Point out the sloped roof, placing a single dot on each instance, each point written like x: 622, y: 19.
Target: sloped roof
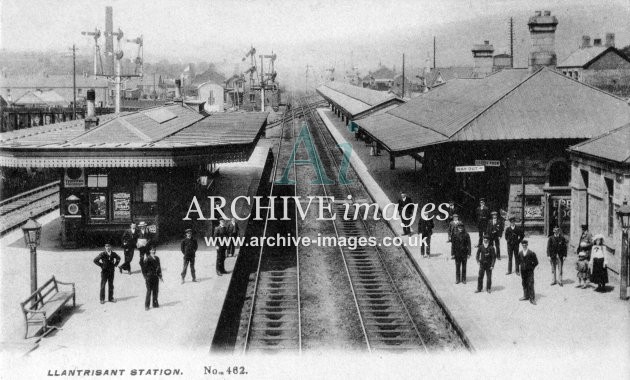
x: 582, y: 56
x: 162, y: 136
x: 507, y: 105
x: 612, y: 146
x: 354, y: 99
x: 48, y: 98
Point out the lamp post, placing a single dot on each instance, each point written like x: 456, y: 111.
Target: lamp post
x: 32, y: 233
x: 624, y: 217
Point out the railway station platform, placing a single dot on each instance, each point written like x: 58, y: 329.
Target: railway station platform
x: 566, y: 320
x: 183, y: 324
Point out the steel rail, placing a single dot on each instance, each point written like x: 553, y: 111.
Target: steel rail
x: 327, y: 146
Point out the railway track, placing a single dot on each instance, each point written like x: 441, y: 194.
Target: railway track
x: 385, y: 320
x: 16, y: 210
x: 274, y: 322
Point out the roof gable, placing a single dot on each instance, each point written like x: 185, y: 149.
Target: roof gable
x: 613, y: 145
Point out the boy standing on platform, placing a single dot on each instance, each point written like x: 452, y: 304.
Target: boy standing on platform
x: 152, y: 271
x: 486, y: 258
x: 108, y: 261
x: 513, y: 236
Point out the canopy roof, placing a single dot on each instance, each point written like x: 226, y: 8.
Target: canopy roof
x: 163, y: 136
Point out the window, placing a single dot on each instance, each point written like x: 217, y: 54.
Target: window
x: 584, y: 174
x: 559, y: 174
x: 611, y: 206
x: 97, y: 180
x: 146, y: 192
x: 252, y: 97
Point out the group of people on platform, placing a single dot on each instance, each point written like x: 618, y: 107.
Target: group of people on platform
x: 591, y: 264
x: 139, y: 237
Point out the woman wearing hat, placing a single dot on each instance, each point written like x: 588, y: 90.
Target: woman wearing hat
x: 598, y: 263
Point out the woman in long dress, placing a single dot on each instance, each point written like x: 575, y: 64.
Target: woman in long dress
x: 598, y: 264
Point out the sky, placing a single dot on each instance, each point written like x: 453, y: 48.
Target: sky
x: 320, y: 33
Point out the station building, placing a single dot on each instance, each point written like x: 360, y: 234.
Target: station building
x: 504, y: 136
x: 136, y: 166
x: 600, y: 184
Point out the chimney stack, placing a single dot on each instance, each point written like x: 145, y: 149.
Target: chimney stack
x: 91, y: 121
x: 542, y: 28
x: 586, y: 42
x: 178, y: 92
x: 482, y: 57
x: 610, y: 40
x: 597, y: 42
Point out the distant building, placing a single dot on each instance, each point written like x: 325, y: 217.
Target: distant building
x: 12, y: 87
x: 600, y: 184
x: 381, y: 80
x: 501, y: 61
x: 601, y: 66
x: 482, y: 58
x: 212, y: 94
x: 39, y: 98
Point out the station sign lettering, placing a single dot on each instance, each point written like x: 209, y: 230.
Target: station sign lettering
x: 470, y: 169
x: 487, y: 162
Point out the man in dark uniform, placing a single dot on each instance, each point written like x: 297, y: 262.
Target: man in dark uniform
x: 556, y: 251
x: 483, y: 214
x: 425, y: 228
x: 513, y: 236
x: 108, y: 261
x: 145, y: 240
x: 152, y: 272
x: 529, y: 262
x: 219, y: 232
x: 486, y: 259
x: 233, y: 231
x: 405, y: 213
x: 452, y: 226
x: 494, y: 230
x: 189, y: 249
x: 460, y: 251
x: 129, y: 245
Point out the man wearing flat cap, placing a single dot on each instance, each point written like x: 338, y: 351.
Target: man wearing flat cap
x: 528, y: 262
x: 189, y: 249
x: 483, y: 214
x: 486, y: 257
x: 494, y: 230
x: 108, y: 261
x: 513, y: 236
x: 556, y: 251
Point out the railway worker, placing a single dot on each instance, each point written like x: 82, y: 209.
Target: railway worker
x: 108, y: 261
x: 221, y: 231
x: 460, y: 251
x: 145, y: 239
x: 494, y: 230
x: 425, y: 229
x: 452, y: 227
x: 483, y: 214
x: 528, y: 262
x: 513, y: 236
x: 189, y: 249
x: 129, y: 239
x: 486, y: 257
x: 556, y: 251
x: 233, y: 232
x: 405, y: 213
x: 152, y: 272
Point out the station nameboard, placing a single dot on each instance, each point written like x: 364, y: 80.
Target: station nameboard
x: 488, y: 162
x: 470, y: 169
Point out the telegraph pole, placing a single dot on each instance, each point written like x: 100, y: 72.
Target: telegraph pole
x: 74, y: 82
x: 511, y: 42
x: 433, y: 52
x: 403, y: 77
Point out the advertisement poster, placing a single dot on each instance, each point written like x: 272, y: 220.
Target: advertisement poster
x: 316, y: 189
